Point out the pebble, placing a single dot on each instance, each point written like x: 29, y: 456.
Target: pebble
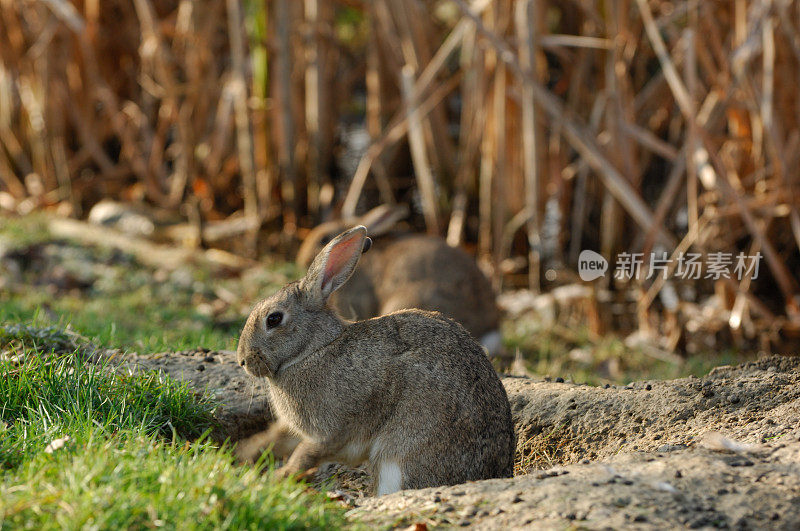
x: 472, y: 510
x: 648, y: 387
x: 201, y: 367
x: 559, y: 380
x: 670, y: 447
x: 733, y: 399
x: 209, y: 359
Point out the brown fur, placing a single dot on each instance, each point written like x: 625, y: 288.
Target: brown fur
x: 409, y: 271
x: 411, y: 388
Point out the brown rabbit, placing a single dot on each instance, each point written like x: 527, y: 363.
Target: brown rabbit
x: 411, y: 393
x: 411, y: 271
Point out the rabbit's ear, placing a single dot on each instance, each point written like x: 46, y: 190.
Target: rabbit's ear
x: 383, y: 218
x: 334, y: 264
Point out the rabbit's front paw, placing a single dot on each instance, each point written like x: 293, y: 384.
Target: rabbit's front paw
x: 287, y: 470
x: 283, y: 472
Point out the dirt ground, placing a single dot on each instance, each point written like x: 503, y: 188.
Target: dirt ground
x: 719, y: 451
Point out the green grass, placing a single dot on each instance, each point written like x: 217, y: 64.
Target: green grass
x: 133, y: 455
x: 134, y: 482
x: 140, y: 320
x: 573, y: 354
x: 127, y: 305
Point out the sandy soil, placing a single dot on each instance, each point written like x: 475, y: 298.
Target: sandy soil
x: 719, y: 451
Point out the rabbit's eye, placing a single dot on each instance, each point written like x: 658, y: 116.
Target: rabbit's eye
x: 274, y: 319
x: 325, y: 240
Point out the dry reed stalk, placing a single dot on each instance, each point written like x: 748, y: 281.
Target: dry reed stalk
x: 577, y: 135
x: 242, y: 116
x: 160, y: 113
x: 289, y: 178
x: 427, y: 183
x: 525, y: 27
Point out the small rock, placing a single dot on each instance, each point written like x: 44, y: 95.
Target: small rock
x: 559, y: 380
x: 516, y: 499
x: 733, y: 399
x: 472, y: 510
x: 208, y: 359
x: 670, y: 447
x: 622, y: 502
x: 678, y: 474
x: 648, y: 387
x: 606, y: 386
x: 496, y: 511
x: 201, y: 367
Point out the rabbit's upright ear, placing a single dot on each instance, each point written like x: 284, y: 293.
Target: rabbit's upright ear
x: 334, y: 264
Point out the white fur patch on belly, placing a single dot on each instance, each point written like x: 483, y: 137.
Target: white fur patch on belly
x: 390, y: 478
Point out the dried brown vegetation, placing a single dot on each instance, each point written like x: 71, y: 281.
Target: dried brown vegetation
x: 532, y: 129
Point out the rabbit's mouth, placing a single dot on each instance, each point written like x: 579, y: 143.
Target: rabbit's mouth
x: 256, y: 365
